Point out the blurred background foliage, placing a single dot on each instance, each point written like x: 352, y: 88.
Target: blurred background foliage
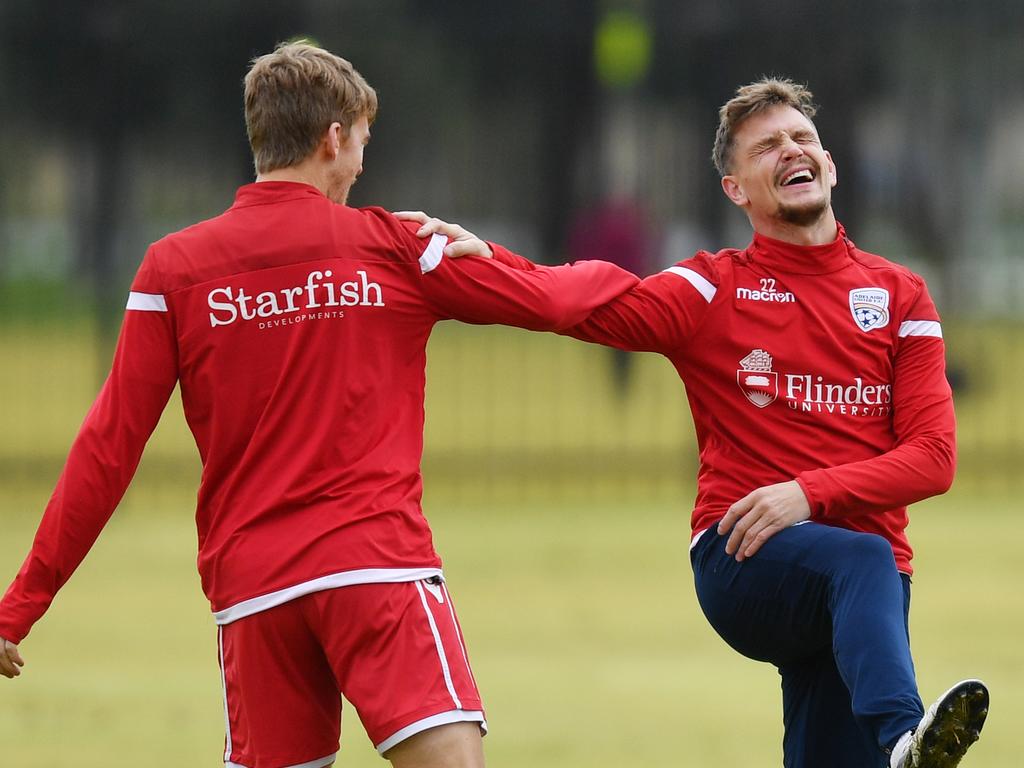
x: 565, y: 129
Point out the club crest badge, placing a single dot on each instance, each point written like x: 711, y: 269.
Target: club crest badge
x: 756, y: 379
x: 870, y: 308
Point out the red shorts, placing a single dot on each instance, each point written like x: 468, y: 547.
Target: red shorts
x: 394, y: 650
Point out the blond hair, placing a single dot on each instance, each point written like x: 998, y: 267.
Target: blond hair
x: 750, y: 100
x: 293, y: 95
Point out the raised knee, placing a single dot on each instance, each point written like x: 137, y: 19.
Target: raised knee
x: 866, y: 550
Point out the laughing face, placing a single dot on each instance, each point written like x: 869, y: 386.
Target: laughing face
x: 779, y: 173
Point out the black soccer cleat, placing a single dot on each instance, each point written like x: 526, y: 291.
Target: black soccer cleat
x: 947, y: 730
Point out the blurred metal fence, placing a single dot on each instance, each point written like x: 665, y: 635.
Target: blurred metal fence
x: 511, y: 415
x: 543, y: 112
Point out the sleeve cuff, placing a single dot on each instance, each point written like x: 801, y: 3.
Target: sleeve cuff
x: 807, y: 486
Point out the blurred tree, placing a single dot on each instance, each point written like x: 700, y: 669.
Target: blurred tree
x: 107, y: 73
x: 546, y: 48
x: 710, y: 49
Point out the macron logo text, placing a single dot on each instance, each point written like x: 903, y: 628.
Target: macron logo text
x: 228, y: 304
x: 751, y: 294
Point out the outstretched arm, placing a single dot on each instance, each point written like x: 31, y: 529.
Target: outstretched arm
x: 99, y: 468
x: 659, y: 314
x: 492, y: 290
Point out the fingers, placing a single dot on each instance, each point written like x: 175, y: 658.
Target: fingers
x: 10, y: 660
x: 463, y: 242
x: 738, y: 537
x: 431, y: 225
x: 451, y: 231
x: 418, y: 216
x: 471, y: 247
x: 734, y: 521
x: 756, y: 536
x: 760, y: 515
x: 751, y: 524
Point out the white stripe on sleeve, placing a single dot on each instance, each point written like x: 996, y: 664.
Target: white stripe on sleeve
x: 697, y: 280
x: 433, y: 254
x: 146, y: 302
x: 920, y: 328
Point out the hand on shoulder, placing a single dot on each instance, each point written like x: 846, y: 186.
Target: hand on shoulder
x: 461, y: 242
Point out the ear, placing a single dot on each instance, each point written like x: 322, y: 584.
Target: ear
x: 332, y: 140
x: 734, y: 191
x: 832, y: 178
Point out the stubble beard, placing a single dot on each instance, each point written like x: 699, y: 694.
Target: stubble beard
x: 339, y: 193
x: 340, y: 186
x: 803, y: 215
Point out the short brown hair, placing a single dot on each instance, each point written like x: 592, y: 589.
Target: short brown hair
x: 291, y: 97
x: 751, y: 99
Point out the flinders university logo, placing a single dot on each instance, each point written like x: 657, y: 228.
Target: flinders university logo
x: 758, y: 382
x: 870, y: 308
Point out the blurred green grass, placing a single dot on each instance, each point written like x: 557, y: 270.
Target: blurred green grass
x: 561, y: 511
x: 581, y: 623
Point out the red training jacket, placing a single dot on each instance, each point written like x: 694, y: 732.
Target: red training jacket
x: 823, y: 363
x: 297, y: 329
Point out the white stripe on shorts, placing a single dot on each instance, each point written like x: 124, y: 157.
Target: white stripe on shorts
x: 440, y: 647
x: 455, y: 716
x: 224, y: 689
x: 458, y: 634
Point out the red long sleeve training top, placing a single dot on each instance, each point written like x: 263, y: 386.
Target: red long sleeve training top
x: 823, y: 364
x: 297, y: 329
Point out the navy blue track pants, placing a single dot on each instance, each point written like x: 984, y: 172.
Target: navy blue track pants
x: 828, y: 608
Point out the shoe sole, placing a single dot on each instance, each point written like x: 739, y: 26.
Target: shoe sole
x: 959, y: 717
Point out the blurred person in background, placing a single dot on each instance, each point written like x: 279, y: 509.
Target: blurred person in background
x: 815, y: 376
x: 616, y: 230
x: 296, y: 327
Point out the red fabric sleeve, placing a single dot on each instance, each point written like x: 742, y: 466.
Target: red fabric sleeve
x: 478, y: 290
x: 507, y: 289
x: 923, y: 460
x: 660, y: 314
x: 509, y: 259
x: 100, y: 465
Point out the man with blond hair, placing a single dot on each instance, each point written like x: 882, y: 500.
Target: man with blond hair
x: 296, y: 327
x: 815, y: 373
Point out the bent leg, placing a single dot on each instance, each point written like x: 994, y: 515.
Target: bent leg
x: 869, y: 603
x: 456, y: 745
x: 820, y: 727
x: 815, y: 589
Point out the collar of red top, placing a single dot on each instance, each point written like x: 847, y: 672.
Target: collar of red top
x: 801, y: 259
x: 263, y: 192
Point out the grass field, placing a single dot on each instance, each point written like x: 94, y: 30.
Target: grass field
x: 582, y: 627
x: 576, y: 596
